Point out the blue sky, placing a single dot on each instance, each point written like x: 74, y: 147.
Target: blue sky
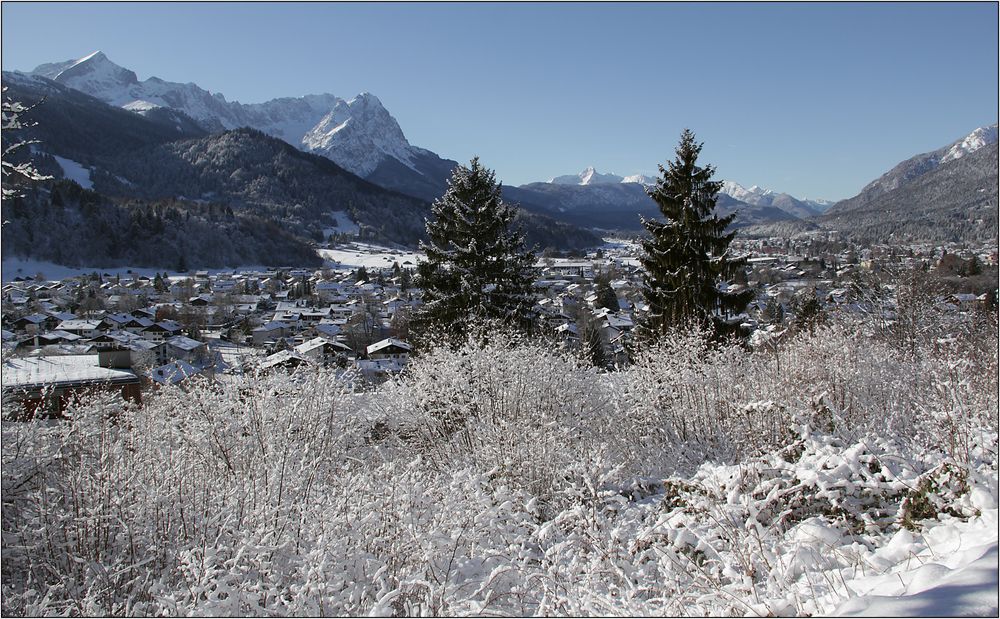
x: 812, y: 99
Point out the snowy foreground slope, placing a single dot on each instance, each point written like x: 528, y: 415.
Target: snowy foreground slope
x: 851, y: 470
x: 944, y: 584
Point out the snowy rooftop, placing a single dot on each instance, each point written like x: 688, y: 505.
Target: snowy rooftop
x: 386, y: 343
x: 60, y: 370
x: 173, y: 373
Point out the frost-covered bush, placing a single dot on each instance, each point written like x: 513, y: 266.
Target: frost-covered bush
x: 523, y: 412
x: 724, y: 404
x: 784, y: 534
x: 126, y: 504
x: 507, y: 477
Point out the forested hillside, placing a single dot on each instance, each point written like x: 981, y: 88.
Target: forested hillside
x: 67, y: 225
x: 161, y: 157
x: 254, y: 173
x: 953, y: 201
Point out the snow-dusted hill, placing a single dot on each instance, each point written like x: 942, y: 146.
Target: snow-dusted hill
x: 908, y: 171
x: 358, y: 134
x: 983, y: 136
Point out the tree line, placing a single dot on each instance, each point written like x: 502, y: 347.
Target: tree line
x: 477, y: 268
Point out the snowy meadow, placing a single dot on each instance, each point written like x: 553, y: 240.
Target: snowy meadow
x: 821, y: 472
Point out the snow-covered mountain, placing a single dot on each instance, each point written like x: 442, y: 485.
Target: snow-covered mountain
x: 641, y: 179
x: 360, y: 131
x: 750, y: 196
x: 760, y: 196
x: 983, y: 136
x: 358, y: 134
x: 946, y: 194
x: 591, y: 176
x: 755, y: 196
x: 914, y: 167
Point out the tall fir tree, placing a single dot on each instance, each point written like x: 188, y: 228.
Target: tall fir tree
x: 476, y: 267
x: 593, y: 343
x: 687, y: 256
x: 606, y: 296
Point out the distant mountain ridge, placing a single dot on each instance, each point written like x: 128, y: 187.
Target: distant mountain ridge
x: 619, y: 206
x: 949, y: 194
x: 361, y: 137
x: 756, y: 196
x: 772, y: 205
x: 358, y: 134
x: 590, y: 176
x: 909, y: 170
x: 163, y: 155
x: 946, y: 195
x: 759, y: 196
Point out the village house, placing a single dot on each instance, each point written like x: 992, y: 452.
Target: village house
x: 185, y: 348
x: 84, y: 328
x: 162, y: 330
x: 390, y: 349
x: 323, y: 351
x: 287, y: 360
x: 270, y: 332
x: 45, y: 385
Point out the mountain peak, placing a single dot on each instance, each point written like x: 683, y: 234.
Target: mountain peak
x: 92, y: 72
x: 918, y: 165
x: 590, y: 176
x: 642, y: 179
x: 735, y: 190
x: 366, y: 98
x: 97, y: 56
x: 358, y: 134
x: 983, y: 136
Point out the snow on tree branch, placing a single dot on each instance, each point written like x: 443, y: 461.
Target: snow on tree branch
x: 11, y: 119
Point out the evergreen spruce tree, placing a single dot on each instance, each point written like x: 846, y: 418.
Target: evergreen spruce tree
x: 687, y: 256
x: 606, y: 296
x: 476, y: 267
x: 807, y: 309
x: 590, y: 335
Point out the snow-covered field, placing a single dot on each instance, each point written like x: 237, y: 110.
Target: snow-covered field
x: 27, y: 268
x: 75, y: 172
x: 344, y: 224
x: 855, y: 474
x: 350, y: 256
x: 343, y: 257
x: 354, y: 255
x: 953, y: 576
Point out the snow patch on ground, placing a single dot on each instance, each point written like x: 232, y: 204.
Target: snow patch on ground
x: 75, y: 172
x: 934, y: 590
x: 345, y: 225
